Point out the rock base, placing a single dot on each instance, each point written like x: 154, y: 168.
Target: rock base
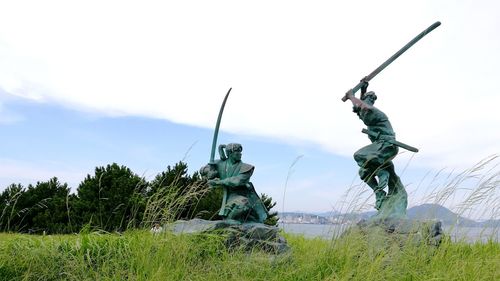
x: 237, y: 235
x: 401, y: 230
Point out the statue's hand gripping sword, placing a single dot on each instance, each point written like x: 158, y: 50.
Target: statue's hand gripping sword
x: 390, y: 60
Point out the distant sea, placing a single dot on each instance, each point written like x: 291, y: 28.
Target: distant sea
x: 329, y: 231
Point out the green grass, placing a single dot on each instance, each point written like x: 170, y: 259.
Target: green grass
x: 139, y: 255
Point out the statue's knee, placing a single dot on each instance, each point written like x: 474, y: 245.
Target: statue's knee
x: 355, y: 156
x: 359, y: 158
x: 383, y: 176
x: 364, y: 174
x: 238, y: 211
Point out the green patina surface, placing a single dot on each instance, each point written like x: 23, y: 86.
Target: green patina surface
x: 240, y: 202
x: 375, y: 160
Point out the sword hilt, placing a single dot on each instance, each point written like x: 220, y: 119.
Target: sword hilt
x: 346, y: 96
x: 355, y: 89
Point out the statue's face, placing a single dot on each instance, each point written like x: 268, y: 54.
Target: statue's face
x: 235, y: 154
x: 369, y: 100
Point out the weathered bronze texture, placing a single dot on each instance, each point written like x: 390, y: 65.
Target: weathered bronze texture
x: 240, y: 202
x: 375, y: 160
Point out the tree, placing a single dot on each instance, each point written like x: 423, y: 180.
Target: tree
x: 47, y: 206
x: 9, y: 207
x: 272, y: 218
x: 43, y: 207
x: 174, y: 194
x: 175, y: 176
x: 112, y: 199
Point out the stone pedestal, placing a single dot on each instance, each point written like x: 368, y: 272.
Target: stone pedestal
x: 401, y: 230
x: 237, y: 235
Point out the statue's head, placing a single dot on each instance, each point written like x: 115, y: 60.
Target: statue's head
x: 233, y: 151
x: 369, y: 97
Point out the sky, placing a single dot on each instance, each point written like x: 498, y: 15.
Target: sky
x: 140, y: 83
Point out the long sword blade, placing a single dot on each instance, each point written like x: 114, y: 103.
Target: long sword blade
x: 217, y: 125
x: 395, y: 56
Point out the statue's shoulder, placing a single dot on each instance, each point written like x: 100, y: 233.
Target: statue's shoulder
x: 245, y: 168
x: 376, y: 110
x: 372, y: 114
x: 379, y: 114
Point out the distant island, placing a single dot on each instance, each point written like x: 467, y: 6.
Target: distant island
x: 421, y: 212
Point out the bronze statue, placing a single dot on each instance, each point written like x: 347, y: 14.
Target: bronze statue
x: 240, y: 202
x: 375, y: 160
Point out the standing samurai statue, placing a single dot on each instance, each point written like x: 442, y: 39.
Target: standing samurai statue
x: 375, y: 160
x: 240, y: 202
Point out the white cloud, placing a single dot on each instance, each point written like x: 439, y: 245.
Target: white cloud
x: 7, y: 117
x: 289, y: 63
x: 17, y: 171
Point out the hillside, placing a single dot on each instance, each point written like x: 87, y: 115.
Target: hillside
x: 421, y: 212
x: 436, y: 211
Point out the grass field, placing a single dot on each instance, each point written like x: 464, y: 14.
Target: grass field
x: 139, y: 255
